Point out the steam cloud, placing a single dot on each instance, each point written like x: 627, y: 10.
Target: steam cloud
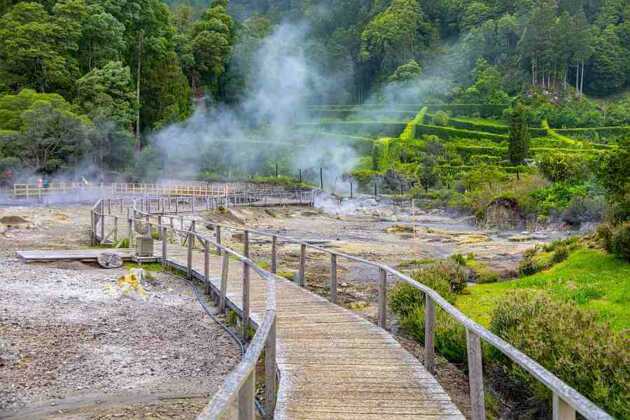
x: 251, y: 138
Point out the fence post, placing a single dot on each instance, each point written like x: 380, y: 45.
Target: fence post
x: 225, y: 265
x: 274, y: 254
x: 164, y: 236
x: 475, y: 376
x: 301, y: 281
x: 190, y: 249
x: 217, y: 232
x: 562, y: 410
x: 246, y: 397
x: 333, y: 278
x: 382, y: 299
x: 270, y: 371
x: 429, y: 334
x: 245, y: 320
x: 206, y: 265
x: 193, y: 228
x: 115, y: 229
x: 130, y: 229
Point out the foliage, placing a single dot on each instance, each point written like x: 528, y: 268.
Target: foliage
x: 613, y: 173
x: 440, y: 118
x: 560, y: 167
x: 518, y: 145
x: 589, y: 278
x: 620, y: 241
x: 406, y: 72
x: 568, y: 341
x: 108, y: 94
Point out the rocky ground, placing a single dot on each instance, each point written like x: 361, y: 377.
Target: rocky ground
x: 76, y: 343
x: 72, y: 338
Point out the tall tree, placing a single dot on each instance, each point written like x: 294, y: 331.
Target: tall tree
x: 518, y: 145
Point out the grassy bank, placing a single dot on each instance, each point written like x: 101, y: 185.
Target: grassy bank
x: 591, y: 278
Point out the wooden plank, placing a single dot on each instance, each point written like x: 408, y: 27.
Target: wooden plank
x: 332, y: 362
x: 68, y: 255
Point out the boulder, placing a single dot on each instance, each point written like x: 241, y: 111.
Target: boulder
x: 109, y: 260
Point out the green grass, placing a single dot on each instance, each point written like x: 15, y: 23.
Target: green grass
x: 153, y: 266
x: 592, y: 279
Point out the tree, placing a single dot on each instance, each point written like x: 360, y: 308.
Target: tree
x: 212, y: 38
x: 608, y: 67
x: 613, y: 173
x: 487, y: 87
x: 34, y: 49
x: 562, y: 167
x: 108, y: 94
x: 406, y: 72
x: 427, y: 172
x: 518, y: 146
x: 102, y: 38
x: 393, y: 36
x: 52, y: 139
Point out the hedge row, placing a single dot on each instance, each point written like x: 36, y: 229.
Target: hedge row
x: 342, y: 114
x: 595, y: 133
x: 457, y: 133
x: 483, y: 110
x: 359, y: 128
x: 409, y: 133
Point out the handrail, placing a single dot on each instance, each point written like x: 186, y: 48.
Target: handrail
x: 566, y: 400
x: 241, y: 381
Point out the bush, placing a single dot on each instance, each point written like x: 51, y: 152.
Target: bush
x: 456, y: 133
x: 562, y: 167
x: 569, y: 342
x: 620, y: 241
x: 440, y: 118
x: 584, y: 209
x: 604, y: 234
x: 408, y: 303
x: 560, y: 254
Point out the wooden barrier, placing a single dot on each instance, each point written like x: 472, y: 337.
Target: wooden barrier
x: 238, y: 386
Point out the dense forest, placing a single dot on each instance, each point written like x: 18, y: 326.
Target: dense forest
x: 85, y: 82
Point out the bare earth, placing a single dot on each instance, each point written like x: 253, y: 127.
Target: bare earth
x: 69, y: 337
x: 74, y: 344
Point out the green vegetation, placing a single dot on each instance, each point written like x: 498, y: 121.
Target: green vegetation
x: 589, y: 278
x: 570, y: 318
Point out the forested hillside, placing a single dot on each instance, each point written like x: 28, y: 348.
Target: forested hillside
x: 86, y: 82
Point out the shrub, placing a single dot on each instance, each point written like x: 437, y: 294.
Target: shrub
x: 620, y: 241
x: 569, y: 342
x: 604, y: 234
x: 584, y: 209
x: 408, y: 303
x: 560, y: 254
x: 562, y: 167
x: 440, y: 118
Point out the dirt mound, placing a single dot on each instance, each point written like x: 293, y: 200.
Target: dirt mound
x: 13, y: 220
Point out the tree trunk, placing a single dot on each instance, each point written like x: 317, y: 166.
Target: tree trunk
x: 140, y: 46
x: 582, y: 80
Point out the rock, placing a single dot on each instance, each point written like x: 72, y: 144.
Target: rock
x: 109, y: 260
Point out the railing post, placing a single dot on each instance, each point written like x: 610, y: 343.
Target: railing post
x: 274, y: 254
x: 193, y: 228
x: 130, y: 230
x: 429, y: 334
x: 164, y: 236
x: 217, y: 232
x: 382, y: 299
x: 245, y: 320
x: 246, y: 396
x: 115, y: 229
x: 270, y: 371
x: 160, y: 224
x: 190, y: 252
x: 225, y: 265
x: 562, y: 410
x: 206, y: 265
x: 333, y: 278
x: 475, y: 376
x: 301, y: 281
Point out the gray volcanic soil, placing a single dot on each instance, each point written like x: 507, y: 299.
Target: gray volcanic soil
x: 73, y: 344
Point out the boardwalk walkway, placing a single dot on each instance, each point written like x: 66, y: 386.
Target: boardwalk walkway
x: 333, y: 363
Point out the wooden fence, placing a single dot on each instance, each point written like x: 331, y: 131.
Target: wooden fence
x: 566, y: 400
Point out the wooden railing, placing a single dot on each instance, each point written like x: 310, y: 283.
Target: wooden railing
x: 214, y: 189
x: 566, y: 400
x: 239, y: 387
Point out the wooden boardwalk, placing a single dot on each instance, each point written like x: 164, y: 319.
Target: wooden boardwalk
x: 334, y: 364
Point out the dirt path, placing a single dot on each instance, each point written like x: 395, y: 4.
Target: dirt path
x: 75, y: 341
